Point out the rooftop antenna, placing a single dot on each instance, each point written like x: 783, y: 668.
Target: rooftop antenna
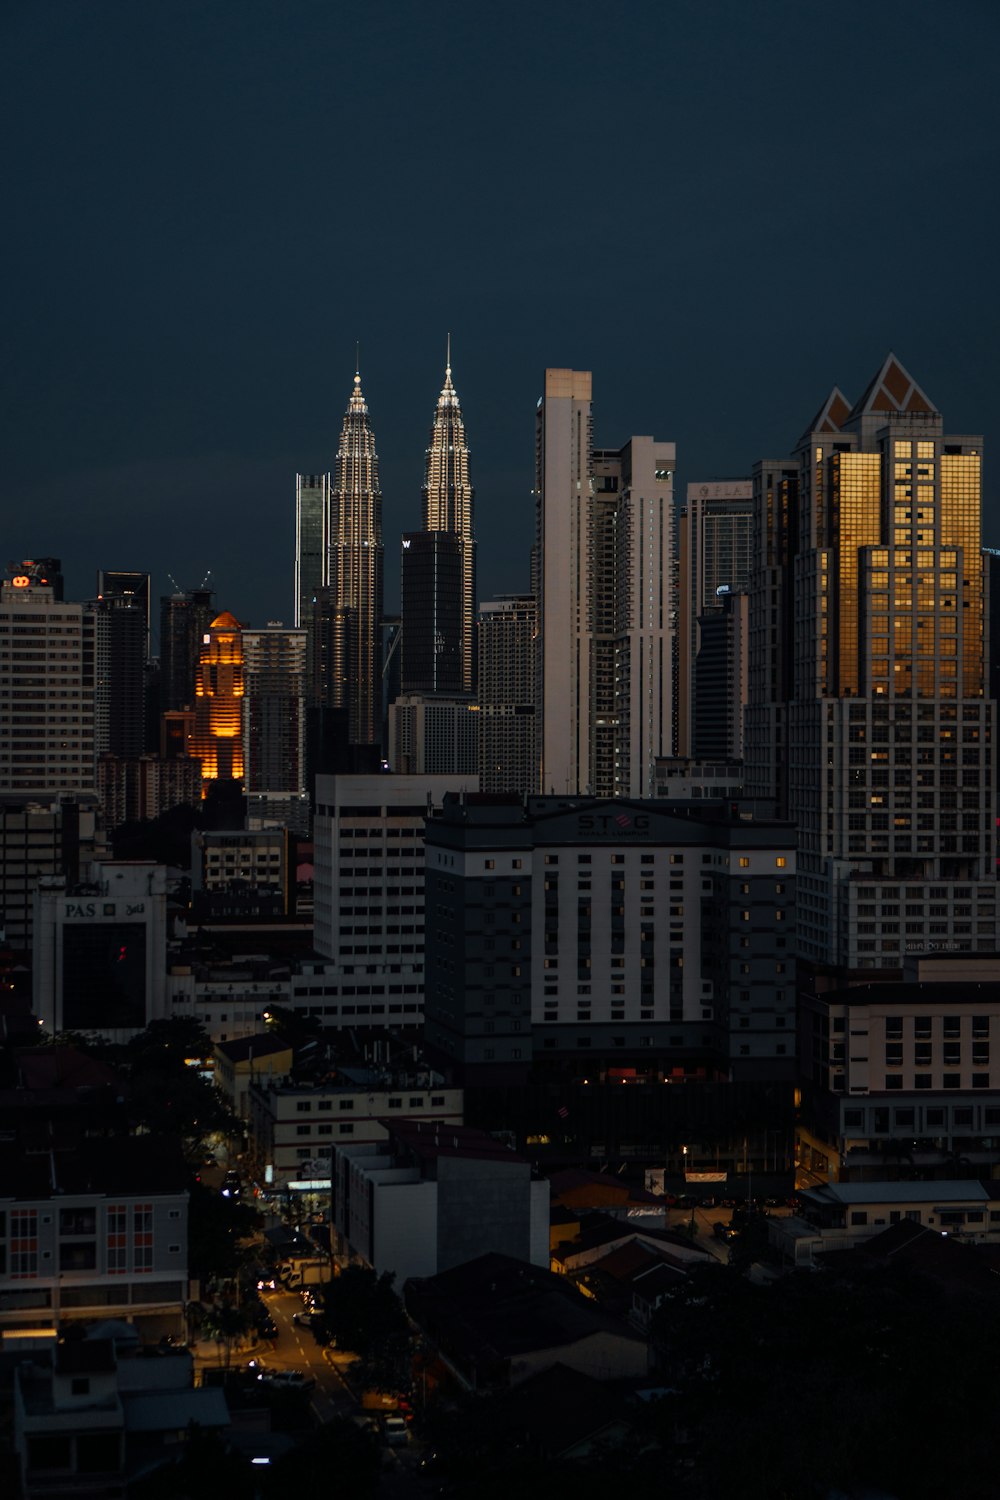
x: 448, y: 359
x: 204, y: 581
x: 357, y: 358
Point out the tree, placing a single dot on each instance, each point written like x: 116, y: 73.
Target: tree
x: 220, y: 1233
x: 226, y: 1325
x: 363, y: 1313
x: 339, y: 1448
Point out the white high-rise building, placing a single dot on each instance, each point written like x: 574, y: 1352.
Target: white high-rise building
x: 604, y: 560
x: 46, y: 689
x: 368, y: 834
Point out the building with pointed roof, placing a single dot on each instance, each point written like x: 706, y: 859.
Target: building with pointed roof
x: 869, y: 723
x: 355, y: 572
x: 218, y: 701
x: 447, y: 499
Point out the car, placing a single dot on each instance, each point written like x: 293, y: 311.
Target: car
x: 232, y: 1185
x: 286, y: 1380
x: 303, y: 1319
x: 724, y: 1231
x: 395, y: 1430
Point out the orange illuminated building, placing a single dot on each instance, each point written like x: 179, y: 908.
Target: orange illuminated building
x: 218, y: 707
x: 869, y: 721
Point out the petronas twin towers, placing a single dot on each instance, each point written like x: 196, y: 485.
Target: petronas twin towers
x: 339, y: 552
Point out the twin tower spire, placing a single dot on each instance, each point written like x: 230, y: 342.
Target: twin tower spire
x: 355, y: 557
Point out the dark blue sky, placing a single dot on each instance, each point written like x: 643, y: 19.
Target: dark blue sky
x: 721, y: 209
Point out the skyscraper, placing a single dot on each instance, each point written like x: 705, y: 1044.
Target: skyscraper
x: 433, y: 609
x: 507, y: 626
x: 713, y: 556
x: 868, y: 541
x: 185, y: 617
x: 218, y: 699
x: 133, y: 588
x: 607, y: 626
x: 119, y: 625
x: 46, y: 688
x: 355, y: 570
x: 274, y: 728
x: 448, y: 506
x: 312, y: 542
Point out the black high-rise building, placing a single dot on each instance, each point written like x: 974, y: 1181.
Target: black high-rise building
x: 134, y: 587
x: 184, y: 618
x: 432, y: 608
x: 119, y: 634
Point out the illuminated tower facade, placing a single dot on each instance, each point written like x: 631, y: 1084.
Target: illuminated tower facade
x: 355, y: 572
x: 448, y: 506
x: 867, y: 677
x: 218, y: 701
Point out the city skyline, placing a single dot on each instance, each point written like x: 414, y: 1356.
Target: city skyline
x: 180, y: 329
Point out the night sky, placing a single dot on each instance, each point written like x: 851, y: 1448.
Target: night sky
x: 722, y: 209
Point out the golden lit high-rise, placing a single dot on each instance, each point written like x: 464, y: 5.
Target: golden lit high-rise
x: 448, y: 506
x: 218, y: 701
x: 868, y: 678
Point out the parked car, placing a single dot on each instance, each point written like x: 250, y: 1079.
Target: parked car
x: 395, y: 1430
x: 286, y: 1380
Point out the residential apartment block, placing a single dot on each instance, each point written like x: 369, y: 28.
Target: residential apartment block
x: 99, y: 1232
x: 369, y: 891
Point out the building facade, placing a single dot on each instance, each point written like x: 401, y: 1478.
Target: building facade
x: 620, y: 930
x: 431, y: 1197
x: 434, y: 735
x: 355, y: 571
x: 607, y: 616
x: 274, y: 727
x: 714, y: 551
x: 868, y: 629
x: 218, y: 701
x: 448, y: 506
x: 37, y: 842
x: 294, y: 1126
x: 100, y: 950
x: 368, y: 837
x: 46, y: 690
x: 433, y: 610
x: 507, y: 628
x: 312, y: 543
x: 185, y: 617
x: 94, y: 1235
x: 721, y: 681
